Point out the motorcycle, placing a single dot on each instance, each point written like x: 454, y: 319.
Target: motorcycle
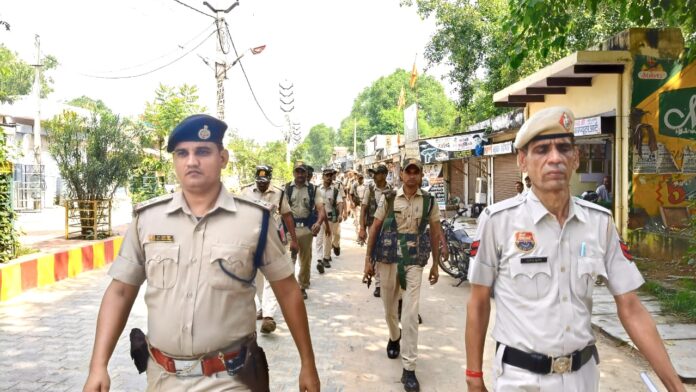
x: 458, y: 244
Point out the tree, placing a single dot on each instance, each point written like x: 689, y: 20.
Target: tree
x: 319, y: 145
x: 245, y: 155
x: 542, y: 26
x: 9, y: 235
x: 17, y: 76
x: 475, y: 39
x: 94, y: 156
x: 375, y: 110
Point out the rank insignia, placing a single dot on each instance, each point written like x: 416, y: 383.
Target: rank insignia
x: 160, y: 238
x: 474, y: 248
x: 524, y: 241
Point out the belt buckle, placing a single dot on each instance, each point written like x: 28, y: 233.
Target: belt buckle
x: 188, y: 368
x: 561, y: 364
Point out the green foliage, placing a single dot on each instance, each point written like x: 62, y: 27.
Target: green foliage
x: 680, y: 301
x: 319, y: 144
x: 479, y: 41
x: 690, y: 256
x: 375, y: 109
x: 17, y: 76
x: 542, y: 26
x: 245, y: 155
x: 147, y: 180
x: 93, y: 155
x: 93, y: 105
x: 9, y: 236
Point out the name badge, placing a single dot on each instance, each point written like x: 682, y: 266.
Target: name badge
x: 533, y: 260
x: 160, y: 238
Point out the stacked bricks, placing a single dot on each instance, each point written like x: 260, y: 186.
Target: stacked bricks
x: 45, y: 269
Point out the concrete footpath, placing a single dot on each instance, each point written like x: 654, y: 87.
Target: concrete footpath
x: 46, y: 337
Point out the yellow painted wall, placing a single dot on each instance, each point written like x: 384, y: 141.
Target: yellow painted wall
x: 585, y: 101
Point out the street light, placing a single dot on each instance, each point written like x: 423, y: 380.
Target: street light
x: 253, y: 51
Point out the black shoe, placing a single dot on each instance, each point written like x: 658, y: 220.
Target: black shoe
x: 337, y: 251
x: 259, y: 314
x: 377, y: 292
x: 304, y: 293
x: 394, y: 348
x: 327, y: 263
x: 408, y: 378
x: 320, y: 266
x: 420, y: 320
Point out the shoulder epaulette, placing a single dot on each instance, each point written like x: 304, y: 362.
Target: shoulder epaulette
x: 503, y: 205
x: 151, y: 202
x: 258, y: 203
x: 591, y: 205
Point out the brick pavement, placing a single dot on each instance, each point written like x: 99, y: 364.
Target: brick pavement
x: 56, y: 326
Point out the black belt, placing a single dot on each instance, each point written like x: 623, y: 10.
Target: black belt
x: 544, y: 364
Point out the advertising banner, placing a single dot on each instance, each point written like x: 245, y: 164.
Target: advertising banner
x: 453, y: 147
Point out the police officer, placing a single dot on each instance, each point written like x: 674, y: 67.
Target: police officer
x: 308, y: 218
x: 410, y: 211
x: 188, y: 246
x: 275, y: 197
x: 542, y: 252
x: 333, y: 205
x: 373, y: 194
x: 357, y: 193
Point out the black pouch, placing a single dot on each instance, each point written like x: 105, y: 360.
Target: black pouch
x: 254, y: 373
x: 138, y: 349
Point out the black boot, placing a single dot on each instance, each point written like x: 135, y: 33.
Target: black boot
x: 337, y: 251
x: 327, y: 263
x: 320, y: 266
x: 394, y: 348
x: 408, y: 378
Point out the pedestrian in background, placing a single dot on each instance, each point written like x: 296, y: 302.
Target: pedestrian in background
x: 542, y: 253
x: 199, y: 250
x: 261, y: 189
x: 328, y: 236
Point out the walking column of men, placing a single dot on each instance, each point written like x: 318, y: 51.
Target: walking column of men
x: 200, y: 250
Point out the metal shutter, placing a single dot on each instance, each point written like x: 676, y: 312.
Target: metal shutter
x: 505, y: 175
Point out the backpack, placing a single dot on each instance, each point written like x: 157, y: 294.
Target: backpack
x: 313, y: 215
x: 333, y: 216
x: 392, y: 246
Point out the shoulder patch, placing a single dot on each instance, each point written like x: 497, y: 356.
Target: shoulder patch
x: 503, y: 205
x: 257, y: 203
x: 151, y: 202
x: 591, y: 205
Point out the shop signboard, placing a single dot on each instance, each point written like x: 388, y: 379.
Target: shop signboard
x: 498, y: 148
x: 588, y: 126
x: 411, y: 123
x: 434, y: 183
x: 678, y: 113
x: 452, y: 147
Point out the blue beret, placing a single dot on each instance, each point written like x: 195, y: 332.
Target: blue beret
x: 197, y: 128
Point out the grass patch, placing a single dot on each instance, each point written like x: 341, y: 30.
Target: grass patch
x: 680, y: 301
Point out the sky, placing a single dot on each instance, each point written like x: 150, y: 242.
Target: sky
x: 329, y: 50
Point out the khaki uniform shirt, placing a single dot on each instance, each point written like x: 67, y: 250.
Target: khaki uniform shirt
x: 271, y: 196
x: 359, y: 191
x: 408, y: 212
x: 299, y: 202
x: 327, y: 195
x: 378, y: 193
x: 543, y: 274
x: 193, y: 306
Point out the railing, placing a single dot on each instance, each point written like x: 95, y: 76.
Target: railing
x: 87, y: 219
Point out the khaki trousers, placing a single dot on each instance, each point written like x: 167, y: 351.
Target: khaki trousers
x: 391, y: 293
x: 304, y: 239
x: 325, y: 241
x: 265, y: 299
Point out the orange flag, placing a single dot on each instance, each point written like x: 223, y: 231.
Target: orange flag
x: 402, y: 99
x: 414, y: 76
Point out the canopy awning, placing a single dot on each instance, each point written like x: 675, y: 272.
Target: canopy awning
x: 575, y: 70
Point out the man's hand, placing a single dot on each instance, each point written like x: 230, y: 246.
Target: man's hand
x: 369, y: 269
x: 309, y: 379
x: 434, y: 274
x: 97, y: 381
x: 294, y: 245
x: 362, y: 234
x: 315, y: 228
x: 475, y: 384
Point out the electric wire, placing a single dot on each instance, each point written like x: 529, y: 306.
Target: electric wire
x: 156, y: 69
x: 195, y: 38
x: 197, y: 10
x: 247, y: 78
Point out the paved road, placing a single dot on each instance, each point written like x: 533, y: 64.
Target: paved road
x: 46, y: 337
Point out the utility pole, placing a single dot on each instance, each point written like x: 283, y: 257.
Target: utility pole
x: 37, y: 92
x: 220, y: 52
